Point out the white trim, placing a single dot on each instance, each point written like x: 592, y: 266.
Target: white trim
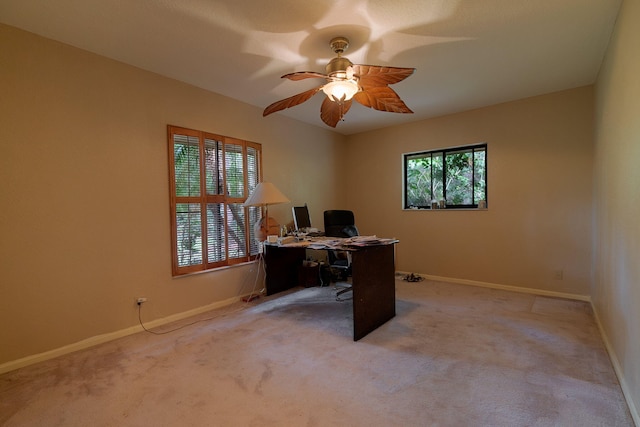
x: 100, y: 339
x: 618, y: 370
x: 512, y: 288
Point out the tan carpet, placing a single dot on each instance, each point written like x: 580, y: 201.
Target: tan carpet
x: 453, y: 356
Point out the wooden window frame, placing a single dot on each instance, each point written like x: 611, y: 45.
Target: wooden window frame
x: 250, y: 215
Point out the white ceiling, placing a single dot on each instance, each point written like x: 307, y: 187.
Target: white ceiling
x: 468, y: 53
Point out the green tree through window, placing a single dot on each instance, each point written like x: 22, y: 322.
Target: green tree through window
x: 457, y: 176
x: 211, y: 177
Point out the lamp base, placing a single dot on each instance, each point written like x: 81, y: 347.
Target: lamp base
x: 261, y: 231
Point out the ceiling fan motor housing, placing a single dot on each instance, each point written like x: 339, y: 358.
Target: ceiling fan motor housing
x: 338, y: 65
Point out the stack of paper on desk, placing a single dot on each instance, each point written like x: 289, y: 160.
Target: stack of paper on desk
x: 346, y: 243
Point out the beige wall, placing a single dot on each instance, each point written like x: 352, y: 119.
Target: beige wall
x: 540, y: 160
x: 84, y: 223
x: 616, y: 291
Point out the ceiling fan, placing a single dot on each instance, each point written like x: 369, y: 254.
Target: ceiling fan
x: 367, y: 84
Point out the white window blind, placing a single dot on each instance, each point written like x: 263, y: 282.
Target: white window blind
x: 211, y: 177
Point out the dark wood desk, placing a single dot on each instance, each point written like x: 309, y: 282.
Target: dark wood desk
x: 373, y: 281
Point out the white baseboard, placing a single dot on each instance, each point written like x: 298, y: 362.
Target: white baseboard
x: 618, y: 370
x: 512, y: 288
x: 100, y: 339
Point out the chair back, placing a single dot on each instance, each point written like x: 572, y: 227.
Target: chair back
x: 339, y: 223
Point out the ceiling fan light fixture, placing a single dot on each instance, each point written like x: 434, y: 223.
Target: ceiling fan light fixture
x: 340, y: 90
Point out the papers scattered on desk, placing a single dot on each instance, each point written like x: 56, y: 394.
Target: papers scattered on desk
x: 335, y: 243
x: 348, y: 243
x: 368, y: 241
x: 302, y: 243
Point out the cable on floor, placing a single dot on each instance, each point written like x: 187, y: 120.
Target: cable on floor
x: 247, y: 300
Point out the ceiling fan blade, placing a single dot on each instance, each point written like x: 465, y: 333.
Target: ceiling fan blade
x: 375, y: 75
x: 301, y: 75
x: 292, y: 101
x: 383, y: 99
x: 332, y: 112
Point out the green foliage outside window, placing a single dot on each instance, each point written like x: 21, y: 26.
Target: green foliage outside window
x: 456, y: 176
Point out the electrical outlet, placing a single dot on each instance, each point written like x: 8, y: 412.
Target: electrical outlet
x: 559, y: 274
x: 140, y: 300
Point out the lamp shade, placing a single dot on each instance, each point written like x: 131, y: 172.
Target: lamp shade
x: 265, y: 194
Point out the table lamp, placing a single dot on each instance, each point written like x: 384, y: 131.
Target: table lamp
x: 266, y: 194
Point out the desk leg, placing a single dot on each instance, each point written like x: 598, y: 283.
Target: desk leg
x: 374, y: 288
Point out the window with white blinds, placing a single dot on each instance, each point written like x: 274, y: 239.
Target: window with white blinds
x: 211, y: 177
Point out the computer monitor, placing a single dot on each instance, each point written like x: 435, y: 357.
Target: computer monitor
x: 301, y: 217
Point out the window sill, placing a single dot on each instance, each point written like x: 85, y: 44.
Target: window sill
x: 214, y: 270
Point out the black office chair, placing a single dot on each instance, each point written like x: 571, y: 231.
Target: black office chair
x: 340, y: 223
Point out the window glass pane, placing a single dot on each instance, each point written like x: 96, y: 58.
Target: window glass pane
x: 216, y: 243
x: 234, y: 170
x: 253, y: 177
x: 437, y: 171
x: 459, y: 177
x: 212, y: 163
x: 418, y: 184
x: 254, y: 217
x: 479, y: 178
x: 236, y: 230
x: 189, y: 235
x: 253, y: 172
x: 186, y: 155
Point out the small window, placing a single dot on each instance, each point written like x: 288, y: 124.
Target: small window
x: 210, y: 178
x: 453, y: 177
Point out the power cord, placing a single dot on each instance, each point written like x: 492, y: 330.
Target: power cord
x: 169, y: 331
x: 246, y: 301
